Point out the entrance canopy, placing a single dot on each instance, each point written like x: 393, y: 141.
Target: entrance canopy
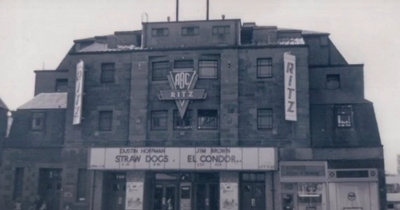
x: 179, y: 158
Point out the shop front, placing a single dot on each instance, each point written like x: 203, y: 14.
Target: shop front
x: 303, y: 185
x: 184, y: 178
x: 310, y: 185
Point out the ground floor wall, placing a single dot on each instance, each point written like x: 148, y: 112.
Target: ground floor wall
x: 63, y: 176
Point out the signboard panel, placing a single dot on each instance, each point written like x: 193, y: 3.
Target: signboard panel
x: 203, y: 158
x: 290, y: 87
x: 96, y: 157
x: 176, y: 158
x: 187, y: 158
x: 78, y: 93
x: 115, y: 158
x: 250, y: 158
x: 173, y: 155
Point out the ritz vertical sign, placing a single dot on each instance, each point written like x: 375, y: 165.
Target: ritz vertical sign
x: 182, y: 84
x: 290, y: 87
x: 78, y: 93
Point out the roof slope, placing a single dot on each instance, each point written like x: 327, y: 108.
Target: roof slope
x: 47, y: 101
x: 3, y: 105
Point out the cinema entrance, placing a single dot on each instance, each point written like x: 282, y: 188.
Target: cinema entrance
x: 185, y: 191
x: 187, y: 178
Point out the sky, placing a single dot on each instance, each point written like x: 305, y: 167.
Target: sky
x: 36, y: 35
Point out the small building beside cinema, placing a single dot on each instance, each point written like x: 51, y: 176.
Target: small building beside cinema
x: 198, y: 115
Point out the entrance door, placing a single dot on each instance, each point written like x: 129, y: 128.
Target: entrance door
x: 206, y: 196
x: 114, y: 191
x: 252, y: 191
x: 50, y: 187
x: 165, y: 196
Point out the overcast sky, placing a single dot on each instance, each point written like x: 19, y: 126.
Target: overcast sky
x: 37, y: 33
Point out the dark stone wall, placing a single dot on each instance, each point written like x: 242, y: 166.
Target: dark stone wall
x: 255, y: 93
x: 3, y: 123
x: 45, y: 81
x: 22, y: 135
x: 323, y: 55
x: 98, y: 97
x: 203, y: 39
x: 351, y: 85
x: 325, y: 133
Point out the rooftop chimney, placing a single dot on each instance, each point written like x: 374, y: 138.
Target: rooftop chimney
x: 168, y: 19
x: 208, y: 9
x: 112, y: 42
x: 223, y: 17
x: 177, y: 10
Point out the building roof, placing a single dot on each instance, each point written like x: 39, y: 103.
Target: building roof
x: 3, y: 105
x: 291, y: 41
x: 47, y: 101
x: 97, y: 47
x: 393, y: 197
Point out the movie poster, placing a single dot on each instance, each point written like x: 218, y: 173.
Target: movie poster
x: 229, y: 196
x: 134, y: 196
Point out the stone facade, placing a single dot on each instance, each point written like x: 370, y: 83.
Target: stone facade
x: 236, y: 93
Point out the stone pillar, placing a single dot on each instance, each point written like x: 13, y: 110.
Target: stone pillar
x: 135, y: 196
x: 138, y: 101
x: 229, y: 190
x: 229, y: 109
x: 96, y: 190
x: 272, y: 190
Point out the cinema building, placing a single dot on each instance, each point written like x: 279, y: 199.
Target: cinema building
x: 198, y: 115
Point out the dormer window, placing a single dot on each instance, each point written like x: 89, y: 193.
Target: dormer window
x: 37, y: 121
x: 332, y: 81
x: 159, y: 32
x: 190, y: 31
x: 218, y: 30
x: 344, y: 116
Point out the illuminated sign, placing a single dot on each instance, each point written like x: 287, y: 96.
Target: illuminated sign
x: 290, y: 87
x: 182, y: 83
x: 78, y: 93
x: 194, y: 158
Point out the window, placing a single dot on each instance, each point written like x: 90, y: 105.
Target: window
x: 253, y: 177
x: 392, y: 188
x: 207, y: 119
x: 81, y: 185
x: 332, y: 81
x: 37, y: 120
x: 18, y: 182
x: 160, y: 70
x: 264, y: 67
x: 264, y: 118
x: 208, y: 69
x: 159, y: 120
x: 218, y: 30
x: 107, y: 72
x: 344, y: 116
x: 190, y: 31
x: 183, y: 64
x: 61, y: 85
x: 159, y: 32
x: 185, y: 123
x: 105, y: 120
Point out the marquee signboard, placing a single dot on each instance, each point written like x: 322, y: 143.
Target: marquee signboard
x: 182, y: 84
x: 178, y: 158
